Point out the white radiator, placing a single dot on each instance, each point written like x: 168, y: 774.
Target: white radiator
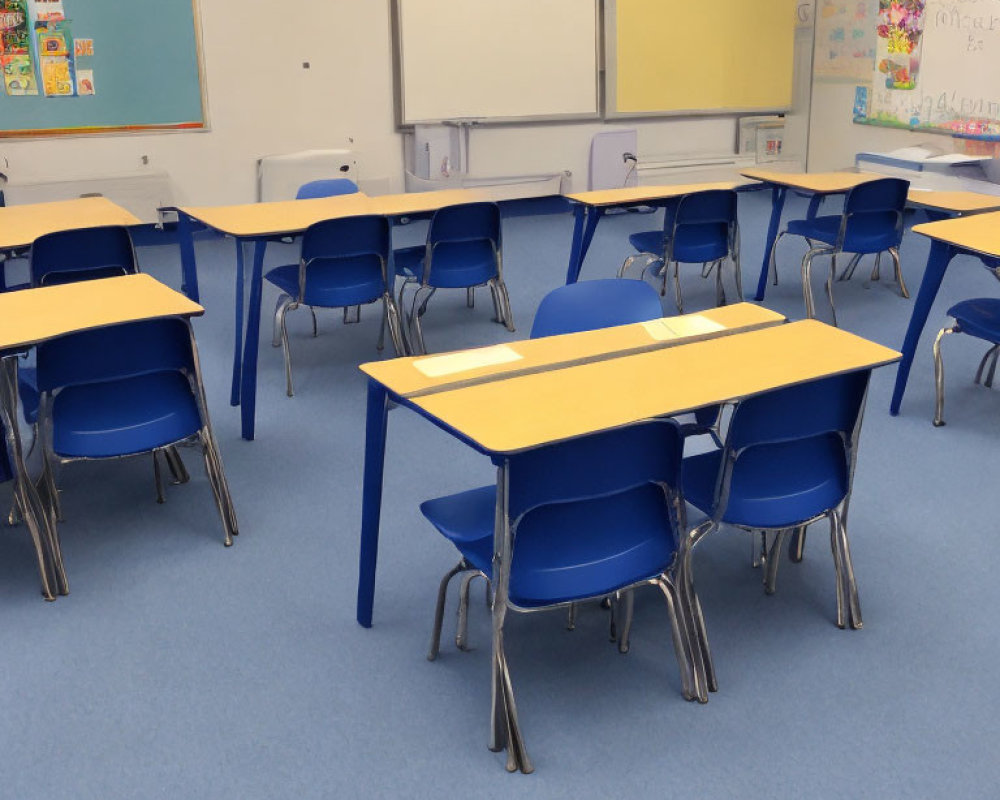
x: 655, y: 170
x: 279, y: 177
x: 509, y: 187
x: 139, y: 192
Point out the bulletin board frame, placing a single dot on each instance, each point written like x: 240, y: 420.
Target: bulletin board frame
x: 199, y: 124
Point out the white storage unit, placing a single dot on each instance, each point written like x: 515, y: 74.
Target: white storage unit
x: 280, y: 176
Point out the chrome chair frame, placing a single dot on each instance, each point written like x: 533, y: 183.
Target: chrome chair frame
x: 286, y: 303
x: 205, y: 438
x: 992, y: 353
x: 848, y: 602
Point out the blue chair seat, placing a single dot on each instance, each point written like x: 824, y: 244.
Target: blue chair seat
x: 819, y: 229
x: 125, y: 416
x: 461, y: 264
x: 778, y: 486
x: 344, y: 282
x: 647, y: 242
x: 979, y: 317
x: 564, y: 551
x: 868, y: 234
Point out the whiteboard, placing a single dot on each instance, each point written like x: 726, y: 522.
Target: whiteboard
x: 954, y: 70
x: 495, y: 59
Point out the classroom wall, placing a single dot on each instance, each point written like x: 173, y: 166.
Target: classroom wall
x: 262, y: 101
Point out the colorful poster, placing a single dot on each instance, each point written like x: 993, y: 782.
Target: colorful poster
x: 57, y: 76
x: 845, y: 39
x: 18, y: 75
x: 42, y: 10
x: 14, y: 35
x: 83, y: 47
x: 55, y: 51
x: 85, y: 82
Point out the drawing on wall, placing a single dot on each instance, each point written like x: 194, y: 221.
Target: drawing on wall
x: 935, y: 68
x: 845, y: 39
x: 15, y: 50
x: 55, y: 48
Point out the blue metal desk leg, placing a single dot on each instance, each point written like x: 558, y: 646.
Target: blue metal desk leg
x: 777, y: 204
x: 937, y: 263
x: 583, y: 234
x: 238, y: 291
x: 371, y: 505
x: 189, y: 268
x: 248, y: 399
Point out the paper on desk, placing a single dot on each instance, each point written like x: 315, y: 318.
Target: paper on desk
x: 436, y: 366
x: 679, y: 327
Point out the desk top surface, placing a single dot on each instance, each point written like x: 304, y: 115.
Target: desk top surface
x: 819, y: 182
x: 955, y: 202
x: 638, y: 194
x: 294, y: 216
x: 409, y: 376
x: 527, y: 411
x: 31, y: 316
x: 979, y: 232
x: 21, y: 225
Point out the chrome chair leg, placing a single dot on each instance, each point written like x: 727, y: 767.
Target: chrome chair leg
x: 158, y: 477
x: 462, y: 630
x: 417, y: 308
x: 876, y: 272
x: 220, y: 487
x: 829, y: 291
x: 738, y: 275
x: 571, y: 617
x: 755, y: 548
x: 470, y: 296
x: 175, y: 463
x: 894, y: 253
x: 773, y: 561
x: 682, y: 638
x: 286, y: 350
x: 720, y: 291
x: 838, y: 565
x: 851, y: 585
x: 797, y: 545
x: 315, y: 322
x: 508, y: 314
x: 807, y: 294
x: 939, y: 377
x: 349, y: 319
x: 677, y: 288
x: 852, y: 265
x: 435, y: 647
x: 994, y: 351
x: 623, y: 639
x: 279, y: 311
x: 772, y: 263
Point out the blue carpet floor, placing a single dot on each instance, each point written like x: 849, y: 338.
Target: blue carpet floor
x: 179, y: 668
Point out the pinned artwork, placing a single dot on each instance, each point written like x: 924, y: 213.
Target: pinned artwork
x: 18, y: 75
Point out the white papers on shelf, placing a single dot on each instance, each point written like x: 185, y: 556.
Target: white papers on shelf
x: 436, y: 366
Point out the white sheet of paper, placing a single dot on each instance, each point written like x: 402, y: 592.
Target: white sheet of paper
x: 436, y: 366
x: 679, y: 327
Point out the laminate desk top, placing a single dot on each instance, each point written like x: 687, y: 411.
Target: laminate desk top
x: 527, y: 411
x: 21, y: 225
x: 31, y: 316
x: 979, y: 233
x: 639, y: 194
x: 819, y: 182
x: 954, y: 202
x: 420, y: 375
x: 251, y: 220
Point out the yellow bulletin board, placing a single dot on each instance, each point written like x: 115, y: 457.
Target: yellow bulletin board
x: 698, y: 56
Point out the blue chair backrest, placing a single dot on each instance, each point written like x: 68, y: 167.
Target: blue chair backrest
x: 459, y: 236
x: 588, y: 305
x: 874, y: 209
x: 825, y: 406
x: 598, y: 465
x: 330, y: 187
x: 82, y: 254
x: 700, y: 220
x: 112, y: 353
x: 350, y: 254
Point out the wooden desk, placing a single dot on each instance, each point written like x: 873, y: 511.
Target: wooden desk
x: 260, y: 222
x: 942, y: 205
x: 977, y: 235
x: 591, y: 206
x: 31, y: 316
x: 505, y: 414
x: 21, y: 225
x: 817, y: 184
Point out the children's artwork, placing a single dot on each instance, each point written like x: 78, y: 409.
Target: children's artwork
x: 83, y: 47
x: 14, y: 34
x: 18, y: 75
x: 845, y: 39
x: 900, y: 29
x: 85, y: 82
x: 43, y: 10
x: 54, y: 38
x: 57, y: 76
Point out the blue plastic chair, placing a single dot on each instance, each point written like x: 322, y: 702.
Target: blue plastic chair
x: 588, y: 305
x: 980, y: 318
x: 122, y: 391
x: 698, y: 228
x: 329, y: 187
x: 872, y: 222
x: 343, y: 264
x: 82, y: 254
x: 463, y: 251
x: 788, y: 461
x: 589, y: 518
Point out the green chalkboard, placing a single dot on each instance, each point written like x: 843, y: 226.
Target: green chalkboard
x: 108, y: 66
